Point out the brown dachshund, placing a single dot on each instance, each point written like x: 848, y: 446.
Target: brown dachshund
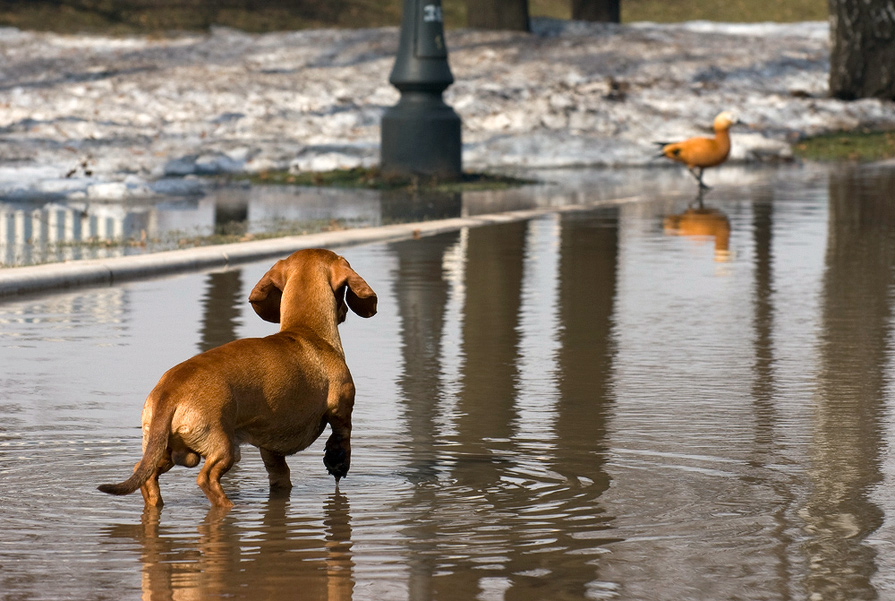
x: 699, y: 153
x: 277, y: 393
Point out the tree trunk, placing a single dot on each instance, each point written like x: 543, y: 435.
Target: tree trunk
x: 498, y: 14
x: 597, y: 10
x: 862, y: 57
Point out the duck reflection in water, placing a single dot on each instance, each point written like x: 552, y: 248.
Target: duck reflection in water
x: 287, y: 553
x: 701, y: 222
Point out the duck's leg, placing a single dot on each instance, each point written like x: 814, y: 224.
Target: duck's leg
x: 697, y: 173
x: 699, y: 196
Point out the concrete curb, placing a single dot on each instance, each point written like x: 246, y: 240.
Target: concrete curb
x: 96, y: 272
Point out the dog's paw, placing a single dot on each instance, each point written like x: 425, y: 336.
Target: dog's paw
x: 337, y: 461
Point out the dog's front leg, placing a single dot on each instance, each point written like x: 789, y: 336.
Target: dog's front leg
x: 337, y: 456
x: 277, y: 470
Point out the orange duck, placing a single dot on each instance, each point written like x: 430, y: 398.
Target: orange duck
x: 699, y: 153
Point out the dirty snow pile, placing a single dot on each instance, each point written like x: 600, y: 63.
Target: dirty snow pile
x: 103, y: 117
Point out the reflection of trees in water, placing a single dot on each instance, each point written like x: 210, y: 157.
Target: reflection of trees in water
x: 850, y: 405
x: 763, y: 321
x: 541, y: 497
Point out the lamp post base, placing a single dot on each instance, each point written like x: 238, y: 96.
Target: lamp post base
x: 421, y: 136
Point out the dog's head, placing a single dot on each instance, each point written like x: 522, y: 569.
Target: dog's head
x: 309, y: 266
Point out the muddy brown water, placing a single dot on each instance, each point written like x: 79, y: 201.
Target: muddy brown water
x: 643, y: 401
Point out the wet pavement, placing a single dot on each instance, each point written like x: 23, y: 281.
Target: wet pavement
x: 36, y: 232
x: 645, y: 400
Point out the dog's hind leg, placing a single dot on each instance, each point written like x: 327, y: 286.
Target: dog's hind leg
x: 217, y: 463
x: 152, y: 495
x: 277, y: 470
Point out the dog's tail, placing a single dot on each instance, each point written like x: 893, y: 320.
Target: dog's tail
x: 156, y: 446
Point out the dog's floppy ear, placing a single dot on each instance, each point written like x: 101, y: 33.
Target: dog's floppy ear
x: 268, y: 292
x: 359, y: 296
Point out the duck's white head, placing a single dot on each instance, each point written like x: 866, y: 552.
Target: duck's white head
x: 725, y: 119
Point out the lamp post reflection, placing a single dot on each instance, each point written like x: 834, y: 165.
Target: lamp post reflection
x: 422, y: 291
x: 221, y: 308
x: 485, y: 444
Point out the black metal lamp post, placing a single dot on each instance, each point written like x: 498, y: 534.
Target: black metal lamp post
x: 421, y: 135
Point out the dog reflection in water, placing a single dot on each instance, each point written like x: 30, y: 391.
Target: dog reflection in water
x: 307, y: 550
x: 702, y: 222
x: 277, y: 393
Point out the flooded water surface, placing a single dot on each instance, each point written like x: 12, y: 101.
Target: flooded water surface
x: 650, y: 400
